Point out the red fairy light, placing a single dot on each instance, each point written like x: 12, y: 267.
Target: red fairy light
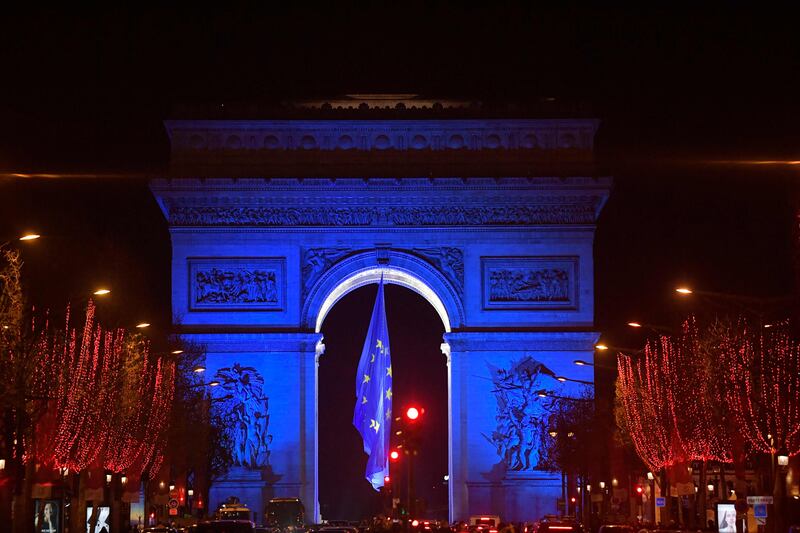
x: 107, y: 405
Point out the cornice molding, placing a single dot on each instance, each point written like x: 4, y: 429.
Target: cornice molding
x: 203, y: 136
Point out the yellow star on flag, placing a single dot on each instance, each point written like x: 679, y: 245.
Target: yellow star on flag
x: 380, y: 345
x: 389, y: 371
x: 373, y: 359
x: 374, y: 424
x: 389, y: 393
x: 388, y: 413
x: 366, y: 378
x: 363, y: 399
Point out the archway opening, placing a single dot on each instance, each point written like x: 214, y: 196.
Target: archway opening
x: 419, y: 377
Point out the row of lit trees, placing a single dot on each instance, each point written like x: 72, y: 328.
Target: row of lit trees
x: 84, y: 405
x: 720, y: 393
x: 79, y: 398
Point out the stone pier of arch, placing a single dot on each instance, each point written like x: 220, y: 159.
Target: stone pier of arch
x: 506, y: 263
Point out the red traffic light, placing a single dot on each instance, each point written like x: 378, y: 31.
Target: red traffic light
x: 394, y: 455
x: 386, y: 479
x: 639, y: 489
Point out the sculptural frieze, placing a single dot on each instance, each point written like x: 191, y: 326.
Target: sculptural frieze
x: 449, y: 261
x: 530, y: 282
x: 245, y: 406
x: 316, y: 261
x: 521, y: 413
x: 528, y: 285
x: 236, y: 284
x: 231, y: 215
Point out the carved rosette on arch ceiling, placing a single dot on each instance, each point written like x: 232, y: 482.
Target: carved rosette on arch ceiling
x: 448, y: 260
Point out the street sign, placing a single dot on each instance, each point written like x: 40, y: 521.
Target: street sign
x: 173, y: 512
x: 661, y: 502
x: 173, y: 504
x: 754, y: 500
x: 760, y: 510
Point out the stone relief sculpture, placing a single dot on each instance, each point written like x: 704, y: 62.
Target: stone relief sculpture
x: 316, y: 261
x: 529, y: 285
x: 570, y: 213
x: 235, y: 286
x: 521, y: 413
x: 247, y: 409
x: 449, y: 261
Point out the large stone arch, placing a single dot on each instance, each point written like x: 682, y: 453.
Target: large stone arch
x: 491, y: 220
x: 397, y: 267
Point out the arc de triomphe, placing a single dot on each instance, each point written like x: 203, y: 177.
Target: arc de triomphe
x: 491, y: 220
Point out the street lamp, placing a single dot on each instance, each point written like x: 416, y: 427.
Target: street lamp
x: 30, y: 237
x: 783, y: 459
x: 601, y: 347
x: 198, y: 369
x: 684, y: 290
x: 101, y: 292
x: 142, y: 325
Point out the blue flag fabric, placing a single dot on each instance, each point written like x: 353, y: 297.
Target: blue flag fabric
x: 373, y: 412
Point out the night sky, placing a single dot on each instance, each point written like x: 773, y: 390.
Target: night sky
x: 687, y: 99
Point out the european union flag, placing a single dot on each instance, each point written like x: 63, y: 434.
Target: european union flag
x: 373, y: 412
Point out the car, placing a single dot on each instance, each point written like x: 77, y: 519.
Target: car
x: 223, y: 526
x: 557, y: 526
x: 616, y: 528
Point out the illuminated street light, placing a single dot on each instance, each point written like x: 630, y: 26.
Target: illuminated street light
x: 581, y: 362
x: 602, y: 484
x: 102, y: 292
x: 108, y: 478
x: 542, y: 394
x: 142, y: 325
x: 2, y: 464
x: 601, y: 347
x: 123, y: 479
x: 562, y: 379
x: 199, y: 368
x: 684, y: 290
x: 710, y: 487
x: 783, y: 460
x: 634, y: 324
x: 190, y: 492
x: 553, y: 433
x: 176, y: 352
x: 171, y: 486
x: 30, y: 237
x: 570, y: 434
x: 213, y: 383
x: 650, y: 476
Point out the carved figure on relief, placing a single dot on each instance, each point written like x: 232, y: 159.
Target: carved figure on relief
x: 247, y: 410
x: 521, y: 413
x: 449, y: 260
x: 239, y: 285
x: 528, y: 285
x: 316, y: 261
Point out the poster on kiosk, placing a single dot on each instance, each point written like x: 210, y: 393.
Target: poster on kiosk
x: 47, y: 517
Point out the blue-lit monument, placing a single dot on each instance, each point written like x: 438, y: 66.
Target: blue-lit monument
x: 489, y: 215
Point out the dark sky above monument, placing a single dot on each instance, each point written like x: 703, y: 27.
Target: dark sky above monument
x: 690, y: 100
